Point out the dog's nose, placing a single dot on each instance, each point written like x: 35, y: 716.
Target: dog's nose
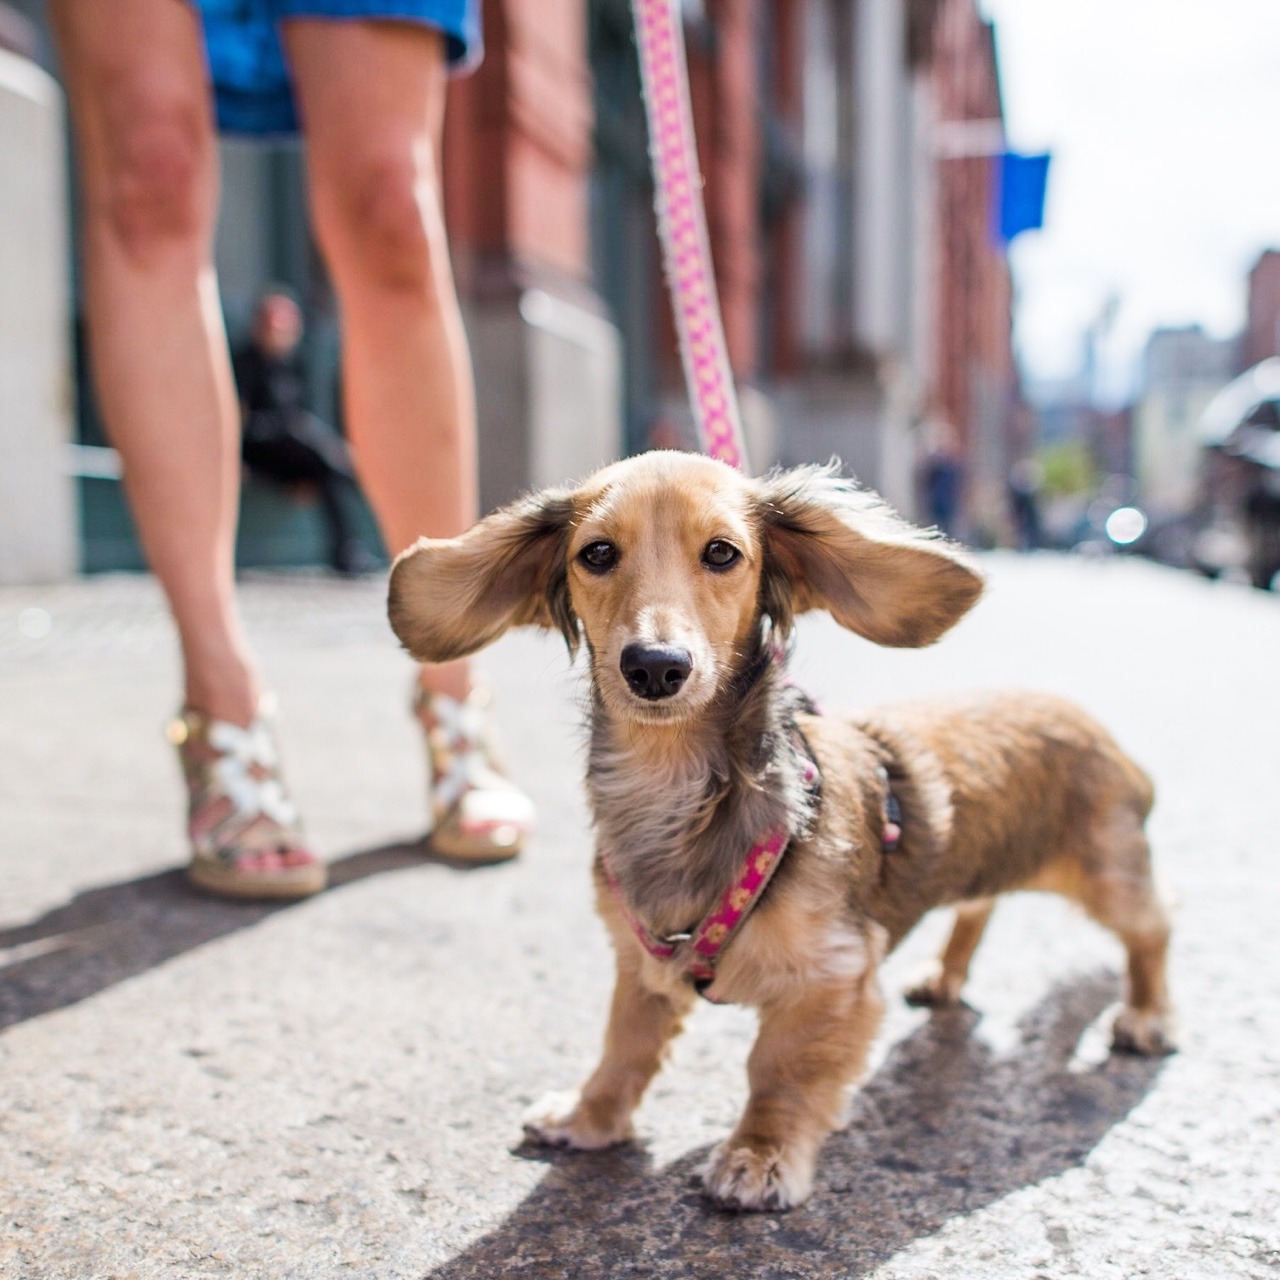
x: 655, y: 670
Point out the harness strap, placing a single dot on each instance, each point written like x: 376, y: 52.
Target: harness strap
x: 654, y: 946
x: 718, y: 929
x: 707, y: 940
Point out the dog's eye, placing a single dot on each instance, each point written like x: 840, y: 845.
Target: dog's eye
x: 599, y: 557
x: 719, y: 554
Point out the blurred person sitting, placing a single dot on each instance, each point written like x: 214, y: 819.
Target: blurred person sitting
x: 368, y: 79
x: 283, y: 440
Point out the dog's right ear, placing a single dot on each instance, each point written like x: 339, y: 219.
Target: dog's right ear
x: 451, y: 596
x: 830, y: 545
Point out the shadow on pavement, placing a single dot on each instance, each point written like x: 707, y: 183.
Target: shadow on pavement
x: 105, y: 935
x: 943, y: 1128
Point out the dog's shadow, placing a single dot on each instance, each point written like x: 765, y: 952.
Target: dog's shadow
x: 943, y: 1128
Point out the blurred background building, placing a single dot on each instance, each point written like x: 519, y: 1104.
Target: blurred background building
x: 1261, y: 337
x: 1196, y: 447
x: 1183, y: 369
x: 851, y: 188
x: 38, y: 523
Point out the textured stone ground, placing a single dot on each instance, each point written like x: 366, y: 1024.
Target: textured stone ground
x: 189, y: 1088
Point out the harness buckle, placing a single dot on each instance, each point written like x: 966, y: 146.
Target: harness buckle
x: 892, y: 832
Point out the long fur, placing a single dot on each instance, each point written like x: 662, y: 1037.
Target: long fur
x: 677, y: 833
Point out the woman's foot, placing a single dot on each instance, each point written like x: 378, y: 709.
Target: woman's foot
x: 245, y: 838
x: 477, y: 813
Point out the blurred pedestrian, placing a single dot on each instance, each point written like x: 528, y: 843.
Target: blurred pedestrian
x: 942, y: 477
x: 371, y: 93
x: 282, y: 440
x: 1025, y: 480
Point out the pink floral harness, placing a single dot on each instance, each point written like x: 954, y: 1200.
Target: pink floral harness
x: 699, y: 949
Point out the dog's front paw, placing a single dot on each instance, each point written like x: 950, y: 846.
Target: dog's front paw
x: 758, y: 1178
x: 1150, y: 1032
x: 934, y: 988
x: 565, y: 1120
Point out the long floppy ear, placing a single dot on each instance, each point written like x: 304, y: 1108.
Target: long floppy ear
x: 830, y: 545
x: 451, y: 596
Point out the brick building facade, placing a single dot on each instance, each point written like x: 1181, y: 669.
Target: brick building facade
x: 862, y: 292
x: 974, y: 379
x: 518, y: 161
x: 861, y: 287
x: 1262, y: 324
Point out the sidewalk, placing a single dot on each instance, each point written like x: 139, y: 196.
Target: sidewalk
x: 195, y: 1088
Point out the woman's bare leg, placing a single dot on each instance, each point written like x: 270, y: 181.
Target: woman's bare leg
x: 141, y: 110
x: 372, y: 98
x: 147, y: 157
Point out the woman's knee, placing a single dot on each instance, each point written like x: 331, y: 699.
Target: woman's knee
x: 155, y: 187
x: 384, y: 222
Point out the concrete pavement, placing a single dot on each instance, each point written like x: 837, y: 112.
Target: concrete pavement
x: 191, y: 1088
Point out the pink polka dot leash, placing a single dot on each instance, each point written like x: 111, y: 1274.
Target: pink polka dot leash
x: 682, y: 228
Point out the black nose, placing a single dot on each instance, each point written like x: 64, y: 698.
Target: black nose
x: 655, y: 670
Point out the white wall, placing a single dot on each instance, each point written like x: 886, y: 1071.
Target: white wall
x: 1167, y: 449
x: 882, y: 175
x: 38, y: 538
x: 548, y: 395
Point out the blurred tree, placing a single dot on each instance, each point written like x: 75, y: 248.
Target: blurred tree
x: 1068, y: 469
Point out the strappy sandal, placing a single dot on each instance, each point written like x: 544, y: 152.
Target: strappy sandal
x: 246, y: 841
x: 477, y: 813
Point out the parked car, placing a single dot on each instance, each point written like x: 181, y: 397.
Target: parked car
x: 1239, y: 507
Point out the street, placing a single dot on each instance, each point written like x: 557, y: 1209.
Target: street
x: 194, y: 1088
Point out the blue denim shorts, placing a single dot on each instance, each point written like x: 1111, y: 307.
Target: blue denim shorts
x: 252, y: 88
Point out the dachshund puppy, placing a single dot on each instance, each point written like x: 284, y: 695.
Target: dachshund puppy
x: 750, y: 849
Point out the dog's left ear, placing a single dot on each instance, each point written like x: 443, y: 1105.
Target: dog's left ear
x: 451, y: 596
x: 830, y: 545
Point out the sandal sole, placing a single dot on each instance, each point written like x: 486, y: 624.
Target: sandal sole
x: 473, y: 848
x: 226, y: 882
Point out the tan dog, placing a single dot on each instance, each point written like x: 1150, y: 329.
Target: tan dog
x: 682, y: 575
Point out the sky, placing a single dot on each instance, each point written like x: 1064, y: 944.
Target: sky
x: 1163, y: 117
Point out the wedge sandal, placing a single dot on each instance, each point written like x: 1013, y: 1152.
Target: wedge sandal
x: 246, y: 841
x: 477, y: 813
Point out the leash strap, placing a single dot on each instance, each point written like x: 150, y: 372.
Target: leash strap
x: 682, y: 228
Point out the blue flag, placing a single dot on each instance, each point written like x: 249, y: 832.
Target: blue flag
x: 1020, y: 188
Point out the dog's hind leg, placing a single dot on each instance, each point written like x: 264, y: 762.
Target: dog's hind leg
x: 809, y: 1051
x: 1124, y: 897
x: 1114, y: 883
x: 641, y: 1024
x: 1146, y: 1024
x: 942, y: 983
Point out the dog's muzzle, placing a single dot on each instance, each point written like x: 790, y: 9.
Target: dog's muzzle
x: 654, y: 671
